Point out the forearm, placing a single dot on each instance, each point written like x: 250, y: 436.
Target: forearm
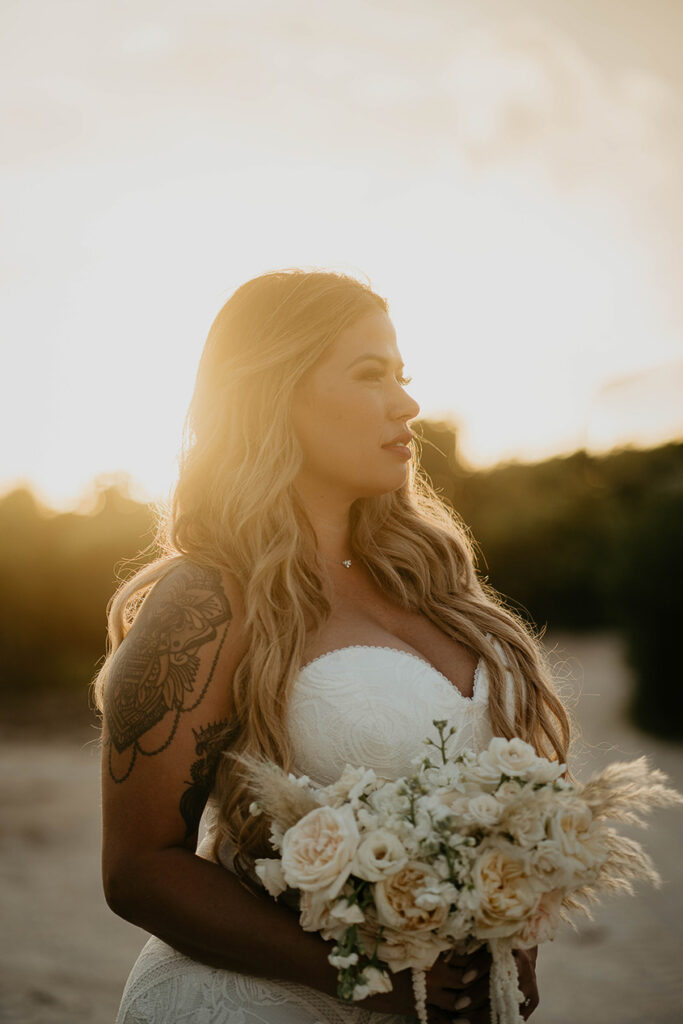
x: 202, y: 910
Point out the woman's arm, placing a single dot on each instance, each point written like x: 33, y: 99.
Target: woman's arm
x: 166, y: 704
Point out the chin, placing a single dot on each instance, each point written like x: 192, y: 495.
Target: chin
x: 383, y: 483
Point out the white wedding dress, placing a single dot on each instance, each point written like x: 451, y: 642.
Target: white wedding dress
x: 360, y: 705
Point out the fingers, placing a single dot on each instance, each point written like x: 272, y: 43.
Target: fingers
x: 459, y: 972
x: 465, y: 989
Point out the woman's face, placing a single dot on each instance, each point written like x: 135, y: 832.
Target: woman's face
x: 351, y: 413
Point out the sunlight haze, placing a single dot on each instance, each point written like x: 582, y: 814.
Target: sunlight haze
x: 507, y: 175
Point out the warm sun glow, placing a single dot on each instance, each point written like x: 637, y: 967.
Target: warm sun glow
x: 512, y: 193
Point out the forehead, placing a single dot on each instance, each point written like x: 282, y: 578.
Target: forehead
x: 372, y: 335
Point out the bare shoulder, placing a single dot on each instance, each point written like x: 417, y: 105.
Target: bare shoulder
x: 181, y: 650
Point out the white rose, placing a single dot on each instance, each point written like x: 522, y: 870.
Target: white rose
x: 525, y: 821
x: 395, y: 899
x: 506, y: 894
x: 270, y: 872
x: 509, y: 791
x: 318, y: 850
x: 483, y: 775
x: 511, y: 757
x: 379, y: 854
x: 483, y: 810
x: 543, y: 923
x: 546, y: 771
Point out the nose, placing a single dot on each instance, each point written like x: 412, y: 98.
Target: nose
x: 406, y: 408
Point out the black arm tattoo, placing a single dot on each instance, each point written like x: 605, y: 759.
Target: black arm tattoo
x: 154, y: 672
x: 209, y: 742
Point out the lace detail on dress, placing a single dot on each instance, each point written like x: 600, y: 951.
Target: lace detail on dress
x: 357, y: 705
x: 166, y: 987
x: 374, y: 706
x: 407, y: 654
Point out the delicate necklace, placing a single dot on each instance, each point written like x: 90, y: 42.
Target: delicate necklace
x: 347, y: 563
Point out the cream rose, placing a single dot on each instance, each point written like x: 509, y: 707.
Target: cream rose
x: 483, y: 810
x: 401, y: 949
x: 525, y: 821
x: 570, y: 826
x: 318, y: 850
x: 506, y: 894
x: 379, y: 854
x: 511, y: 757
x: 543, y: 923
x: 550, y: 865
x: 395, y: 899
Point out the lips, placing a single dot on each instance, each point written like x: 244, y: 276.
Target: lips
x: 404, y: 438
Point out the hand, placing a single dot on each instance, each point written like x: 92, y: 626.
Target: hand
x: 456, y: 994
x: 458, y: 988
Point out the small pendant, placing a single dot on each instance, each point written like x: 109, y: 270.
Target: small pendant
x: 347, y: 563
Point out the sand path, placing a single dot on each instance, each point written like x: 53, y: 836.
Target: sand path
x: 64, y: 956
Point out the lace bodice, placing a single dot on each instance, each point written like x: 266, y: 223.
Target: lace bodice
x: 374, y: 706
x: 360, y: 705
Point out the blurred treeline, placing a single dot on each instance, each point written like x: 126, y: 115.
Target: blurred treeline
x: 576, y: 542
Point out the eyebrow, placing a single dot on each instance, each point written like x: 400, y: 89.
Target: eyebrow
x: 379, y: 359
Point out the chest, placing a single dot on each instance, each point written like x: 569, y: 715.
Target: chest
x: 363, y: 615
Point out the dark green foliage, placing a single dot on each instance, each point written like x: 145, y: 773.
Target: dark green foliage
x: 57, y: 574
x: 579, y: 541
x: 647, y: 587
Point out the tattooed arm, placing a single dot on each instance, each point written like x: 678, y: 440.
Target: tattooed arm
x: 167, y: 710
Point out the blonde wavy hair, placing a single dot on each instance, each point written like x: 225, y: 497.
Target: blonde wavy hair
x: 235, y: 508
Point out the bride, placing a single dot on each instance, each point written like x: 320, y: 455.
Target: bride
x: 317, y: 605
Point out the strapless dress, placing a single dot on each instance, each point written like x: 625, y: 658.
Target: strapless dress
x: 359, y: 705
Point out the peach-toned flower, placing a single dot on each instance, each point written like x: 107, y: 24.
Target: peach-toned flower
x: 318, y: 850
x: 543, y: 923
x: 395, y: 899
x: 506, y: 894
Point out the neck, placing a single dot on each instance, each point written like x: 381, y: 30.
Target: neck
x: 329, y: 517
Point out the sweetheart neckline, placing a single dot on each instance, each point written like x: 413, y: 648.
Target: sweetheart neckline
x: 407, y: 654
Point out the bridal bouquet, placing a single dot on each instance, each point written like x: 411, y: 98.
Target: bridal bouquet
x: 495, y: 847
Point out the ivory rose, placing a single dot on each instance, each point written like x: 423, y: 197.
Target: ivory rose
x: 506, y: 895
x: 379, y: 854
x: 318, y: 850
x: 409, y: 949
x: 395, y: 899
x: 543, y: 923
x: 483, y: 810
x: 525, y: 819
x: 550, y: 865
x: 510, y: 757
x: 569, y: 827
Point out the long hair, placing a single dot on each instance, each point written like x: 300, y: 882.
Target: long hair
x: 235, y: 508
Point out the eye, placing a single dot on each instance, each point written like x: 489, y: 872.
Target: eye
x: 403, y: 381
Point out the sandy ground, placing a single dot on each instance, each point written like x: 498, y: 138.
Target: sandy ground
x: 64, y: 956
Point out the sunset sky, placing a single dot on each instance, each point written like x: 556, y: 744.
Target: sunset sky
x: 508, y: 174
